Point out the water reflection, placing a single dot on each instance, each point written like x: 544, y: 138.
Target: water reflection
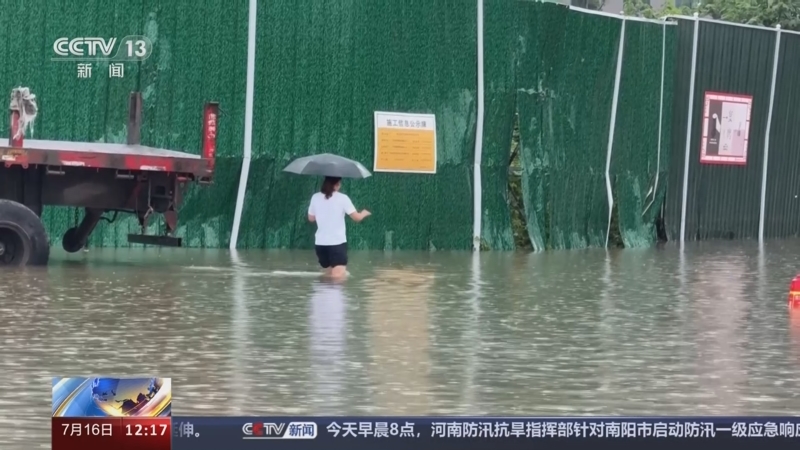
x: 240, y: 331
x: 327, y: 324
x: 794, y: 335
x: 721, y: 309
x: 705, y: 330
x: 399, y: 341
x: 472, y: 333
x: 607, y: 314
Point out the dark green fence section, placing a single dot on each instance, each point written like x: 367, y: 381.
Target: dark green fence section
x: 199, y: 55
x: 323, y: 68
x: 782, y: 213
x: 682, y: 74
x: 500, y: 60
x: 723, y: 200
x: 565, y: 88
x: 562, y: 87
x: 640, y: 159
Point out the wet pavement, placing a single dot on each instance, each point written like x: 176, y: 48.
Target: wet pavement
x: 656, y: 331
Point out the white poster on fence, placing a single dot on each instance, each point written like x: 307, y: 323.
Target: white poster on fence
x: 726, y: 128
x: 405, y: 143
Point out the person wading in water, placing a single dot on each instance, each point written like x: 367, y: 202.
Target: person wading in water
x: 328, y: 208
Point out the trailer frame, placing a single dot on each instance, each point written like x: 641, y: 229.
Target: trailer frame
x: 101, y: 178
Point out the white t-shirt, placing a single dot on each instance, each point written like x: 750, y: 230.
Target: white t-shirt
x: 330, y: 213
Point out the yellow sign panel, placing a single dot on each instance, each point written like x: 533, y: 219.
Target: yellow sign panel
x: 405, y: 143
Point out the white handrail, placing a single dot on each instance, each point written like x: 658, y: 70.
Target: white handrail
x: 618, y: 16
x: 724, y: 22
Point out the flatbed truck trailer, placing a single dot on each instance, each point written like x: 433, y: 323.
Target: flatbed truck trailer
x: 100, y: 178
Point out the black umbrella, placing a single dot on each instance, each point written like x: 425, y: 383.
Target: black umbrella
x: 328, y: 165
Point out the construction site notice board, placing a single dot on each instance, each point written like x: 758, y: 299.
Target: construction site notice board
x: 726, y: 128
x: 405, y: 143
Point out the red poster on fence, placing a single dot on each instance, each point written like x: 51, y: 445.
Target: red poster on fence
x: 726, y: 128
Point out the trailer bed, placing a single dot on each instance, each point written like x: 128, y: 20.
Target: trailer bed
x: 98, y: 155
x: 98, y: 177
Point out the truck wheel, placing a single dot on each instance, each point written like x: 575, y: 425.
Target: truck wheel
x: 23, y: 239
x: 70, y: 241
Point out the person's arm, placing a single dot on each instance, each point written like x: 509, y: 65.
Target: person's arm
x: 311, y: 216
x: 351, y: 211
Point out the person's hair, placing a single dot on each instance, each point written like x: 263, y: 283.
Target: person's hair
x: 329, y: 185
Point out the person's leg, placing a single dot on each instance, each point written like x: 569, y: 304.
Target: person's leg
x: 338, y: 272
x: 338, y: 261
x: 323, y: 256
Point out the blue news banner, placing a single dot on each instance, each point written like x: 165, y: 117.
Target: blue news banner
x: 482, y: 433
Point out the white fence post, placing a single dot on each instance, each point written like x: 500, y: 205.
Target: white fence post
x: 248, y: 123
x: 766, y: 135
x: 612, y: 126
x: 477, y: 206
x: 689, y: 128
x: 660, y: 114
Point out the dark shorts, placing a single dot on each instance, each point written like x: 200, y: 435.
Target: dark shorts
x: 332, y: 255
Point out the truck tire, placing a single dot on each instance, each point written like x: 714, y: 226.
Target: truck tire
x: 23, y: 239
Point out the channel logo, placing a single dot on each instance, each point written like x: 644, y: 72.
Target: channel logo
x: 272, y: 430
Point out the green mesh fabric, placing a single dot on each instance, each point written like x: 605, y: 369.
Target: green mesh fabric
x: 323, y: 68
x: 636, y: 159
x: 565, y: 84
x: 200, y: 51
x: 564, y: 70
x: 500, y: 40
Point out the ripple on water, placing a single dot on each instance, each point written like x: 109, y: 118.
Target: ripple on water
x: 565, y: 333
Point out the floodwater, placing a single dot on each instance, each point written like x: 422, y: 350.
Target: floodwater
x: 632, y: 332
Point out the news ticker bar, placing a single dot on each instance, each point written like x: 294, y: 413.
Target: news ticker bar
x: 466, y: 433
x: 435, y: 433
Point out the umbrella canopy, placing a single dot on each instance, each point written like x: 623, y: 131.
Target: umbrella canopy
x: 327, y: 165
